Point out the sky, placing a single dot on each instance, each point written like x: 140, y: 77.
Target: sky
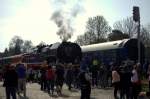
x: 31, y: 19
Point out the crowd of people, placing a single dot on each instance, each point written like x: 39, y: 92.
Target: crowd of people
x: 51, y: 79
x: 14, y: 77
x: 126, y: 79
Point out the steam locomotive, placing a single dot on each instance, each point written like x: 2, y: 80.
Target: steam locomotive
x: 55, y: 54
x: 68, y: 52
x: 64, y: 53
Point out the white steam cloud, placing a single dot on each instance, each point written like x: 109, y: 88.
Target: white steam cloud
x: 64, y: 14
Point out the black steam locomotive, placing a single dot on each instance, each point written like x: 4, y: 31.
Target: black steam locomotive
x: 64, y: 53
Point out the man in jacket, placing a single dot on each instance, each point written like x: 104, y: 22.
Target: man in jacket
x: 85, y: 84
x: 21, y: 71
x: 10, y: 82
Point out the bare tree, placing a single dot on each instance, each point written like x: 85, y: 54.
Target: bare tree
x: 148, y: 27
x: 15, y: 45
x: 97, y: 29
x: 27, y: 46
x: 117, y: 35
x: 101, y: 28
x: 127, y: 26
x: 90, y: 28
x: 79, y: 40
x: 82, y: 40
x: 6, y: 51
x: 145, y: 35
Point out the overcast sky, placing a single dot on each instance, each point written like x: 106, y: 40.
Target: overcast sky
x: 31, y: 19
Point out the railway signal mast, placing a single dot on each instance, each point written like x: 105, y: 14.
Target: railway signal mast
x: 136, y: 18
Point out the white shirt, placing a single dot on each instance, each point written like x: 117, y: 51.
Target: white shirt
x: 134, y: 78
x: 115, y: 76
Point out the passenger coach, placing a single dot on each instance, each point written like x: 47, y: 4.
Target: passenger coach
x: 115, y: 51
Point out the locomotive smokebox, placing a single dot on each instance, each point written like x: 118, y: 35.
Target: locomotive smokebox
x: 69, y: 52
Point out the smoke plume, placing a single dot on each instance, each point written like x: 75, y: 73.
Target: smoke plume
x: 64, y: 14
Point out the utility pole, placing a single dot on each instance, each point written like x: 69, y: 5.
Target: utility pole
x: 136, y: 18
x: 139, y: 45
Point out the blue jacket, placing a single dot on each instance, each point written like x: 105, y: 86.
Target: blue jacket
x: 21, y: 70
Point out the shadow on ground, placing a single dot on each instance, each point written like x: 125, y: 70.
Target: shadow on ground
x: 22, y: 97
x: 56, y: 96
x: 73, y: 90
x: 64, y: 96
x: 92, y: 98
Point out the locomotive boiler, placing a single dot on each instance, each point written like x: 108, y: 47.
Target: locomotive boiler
x: 64, y: 53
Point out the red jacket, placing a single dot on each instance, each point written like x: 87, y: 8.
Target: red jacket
x: 50, y: 75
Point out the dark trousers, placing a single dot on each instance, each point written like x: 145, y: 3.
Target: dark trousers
x: 85, y: 93
x: 43, y: 84
x: 76, y: 83
x: 50, y: 86
x: 11, y: 91
x: 94, y: 81
x: 149, y: 86
x: 136, y: 88
x: 69, y: 83
x: 125, y: 91
x: 116, y: 88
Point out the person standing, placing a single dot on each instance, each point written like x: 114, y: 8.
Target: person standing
x: 59, y: 78
x: 21, y: 71
x: 136, y: 87
x: 30, y: 74
x: 95, y: 73
x: 50, y: 77
x: 76, y: 72
x: 10, y: 82
x: 125, y: 82
x: 94, y: 76
x: 69, y: 77
x: 148, y: 72
x: 43, y: 82
x: 0, y: 76
x: 115, y: 81
x: 85, y: 84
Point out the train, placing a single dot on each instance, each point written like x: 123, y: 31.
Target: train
x: 31, y: 60
x: 104, y: 53
x: 64, y: 53
x: 113, y: 52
